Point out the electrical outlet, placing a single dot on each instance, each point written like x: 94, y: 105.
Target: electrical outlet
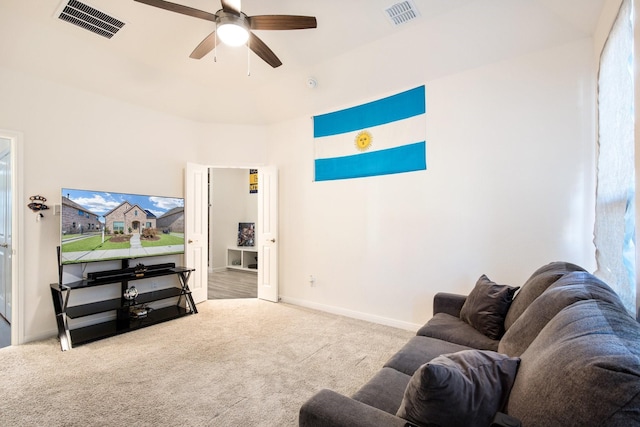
x: 312, y: 280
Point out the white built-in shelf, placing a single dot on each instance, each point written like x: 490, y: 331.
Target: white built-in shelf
x: 243, y: 258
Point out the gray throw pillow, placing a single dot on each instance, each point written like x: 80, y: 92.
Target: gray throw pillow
x: 487, y: 305
x: 466, y: 388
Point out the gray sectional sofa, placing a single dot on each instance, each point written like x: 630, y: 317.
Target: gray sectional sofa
x: 563, y: 352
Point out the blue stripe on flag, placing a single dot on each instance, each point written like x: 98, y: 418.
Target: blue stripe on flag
x: 396, y: 107
x: 405, y: 158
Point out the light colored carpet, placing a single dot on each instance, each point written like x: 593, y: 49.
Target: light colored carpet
x: 242, y: 362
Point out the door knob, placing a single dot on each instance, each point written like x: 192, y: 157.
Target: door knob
x: 4, y: 245
x: 190, y: 241
x: 272, y: 240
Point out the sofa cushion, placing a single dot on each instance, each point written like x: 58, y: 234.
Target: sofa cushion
x: 418, y: 351
x: 453, y: 329
x: 328, y: 408
x: 460, y: 389
x: 384, y: 391
x: 540, y: 280
x: 486, y: 307
x: 572, y: 287
x: 583, y: 369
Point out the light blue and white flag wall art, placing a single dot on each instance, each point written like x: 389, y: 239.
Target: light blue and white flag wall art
x: 382, y: 137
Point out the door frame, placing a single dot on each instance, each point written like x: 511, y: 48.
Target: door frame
x: 17, y: 233
x: 247, y: 167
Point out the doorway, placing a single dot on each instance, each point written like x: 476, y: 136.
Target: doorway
x: 5, y: 242
x: 9, y: 190
x: 233, y: 214
x: 197, y: 230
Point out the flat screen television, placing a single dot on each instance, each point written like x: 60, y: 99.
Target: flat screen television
x: 102, y: 226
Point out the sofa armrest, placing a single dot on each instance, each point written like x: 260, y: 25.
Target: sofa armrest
x: 444, y: 302
x: 328, y: 408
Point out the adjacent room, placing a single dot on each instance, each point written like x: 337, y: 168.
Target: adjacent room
x: 233, y: 256
x: 290, y: 239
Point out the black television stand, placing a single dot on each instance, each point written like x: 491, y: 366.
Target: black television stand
x: 130, y: 313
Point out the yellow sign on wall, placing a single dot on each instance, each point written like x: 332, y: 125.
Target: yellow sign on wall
x: 253, y: 181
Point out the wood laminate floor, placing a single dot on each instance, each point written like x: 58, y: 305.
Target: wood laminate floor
x: 232, y: 284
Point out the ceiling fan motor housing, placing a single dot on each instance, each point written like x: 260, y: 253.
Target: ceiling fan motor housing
x: 232, y: 29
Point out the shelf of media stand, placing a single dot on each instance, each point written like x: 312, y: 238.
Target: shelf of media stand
x: 117, y: 278
x: 76, y: 311
x: 111, y: 328
x: 124, y: 321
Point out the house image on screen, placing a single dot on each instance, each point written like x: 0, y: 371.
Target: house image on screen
x: 172, y: 221
x: 77, y: 219
x: 129, y: 219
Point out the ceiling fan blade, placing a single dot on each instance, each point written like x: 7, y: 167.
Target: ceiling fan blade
x: 231, y: 6
x: 263, y: 51
x: 282, y: 22
x: 178, y: 8
x: 205, y: 46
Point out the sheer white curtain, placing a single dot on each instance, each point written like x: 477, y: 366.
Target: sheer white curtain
x: 614, y: 233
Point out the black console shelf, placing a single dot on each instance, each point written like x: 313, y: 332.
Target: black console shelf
x: 108, y: 329
x: 115, y: 278
x: 125, y: 320
x: 114, y: 304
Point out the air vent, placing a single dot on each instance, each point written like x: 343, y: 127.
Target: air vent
x: 91, y: 19
x: 401, y: 13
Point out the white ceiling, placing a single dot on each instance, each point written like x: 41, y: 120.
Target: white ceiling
x: 148, y: 64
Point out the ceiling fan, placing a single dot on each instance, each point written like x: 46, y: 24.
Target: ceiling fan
x: 236, y: 26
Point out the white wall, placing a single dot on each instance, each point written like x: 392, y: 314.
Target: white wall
x: 231, y: 203
x: 509, y: 187
x: 80, y: 140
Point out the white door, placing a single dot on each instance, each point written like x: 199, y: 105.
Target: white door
x: 267, y: 228
x: 5, y: 228
x: 196, y: 228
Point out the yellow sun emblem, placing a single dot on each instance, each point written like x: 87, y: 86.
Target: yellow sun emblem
x: 363, y: 140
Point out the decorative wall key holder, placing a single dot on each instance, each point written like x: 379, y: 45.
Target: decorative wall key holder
x: 37, y: 205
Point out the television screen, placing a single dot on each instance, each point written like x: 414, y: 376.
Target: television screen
x: 101, y: 226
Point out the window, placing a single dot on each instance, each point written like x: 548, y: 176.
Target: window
x: 118, y: 226
x: 615, y: 195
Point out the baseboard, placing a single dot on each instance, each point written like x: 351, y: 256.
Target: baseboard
x: 413, y: 327
x: 39, y: 337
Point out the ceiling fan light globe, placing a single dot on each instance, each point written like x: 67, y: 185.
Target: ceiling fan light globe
x: 233, y: 34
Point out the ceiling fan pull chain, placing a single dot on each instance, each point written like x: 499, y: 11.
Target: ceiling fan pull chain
x: 248, y: 58
x: 215, y: 46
